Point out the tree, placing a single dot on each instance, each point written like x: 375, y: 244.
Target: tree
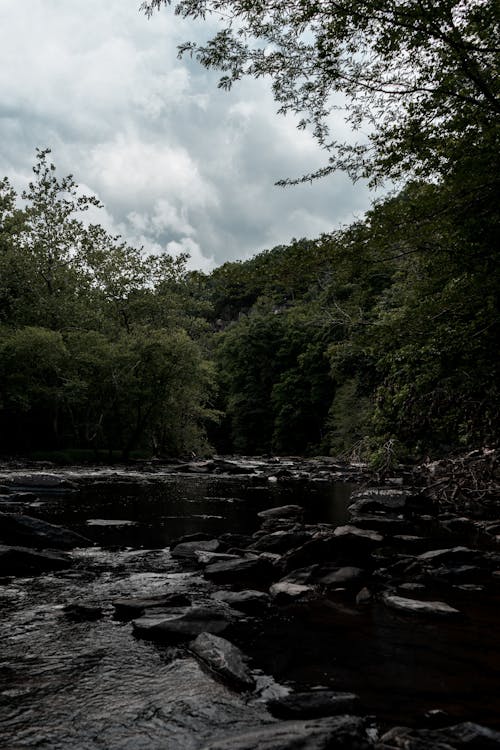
x: 417, y: 79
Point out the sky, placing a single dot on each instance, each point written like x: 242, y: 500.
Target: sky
x: 178, y: 164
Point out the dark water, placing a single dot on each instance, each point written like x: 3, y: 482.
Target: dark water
x: 93, y: 686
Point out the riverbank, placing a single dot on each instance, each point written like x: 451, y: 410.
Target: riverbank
x: 318, y: 632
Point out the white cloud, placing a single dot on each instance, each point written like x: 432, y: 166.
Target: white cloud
x: 177, y: 162
x: 196, y: 258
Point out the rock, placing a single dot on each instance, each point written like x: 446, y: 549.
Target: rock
x: 383, y: 524
x: 364, y: 597
x: 455, y: 555
x: 204, y: 557
x: 363, y: 539
x: 280, y: 541
x: 251, y: 602
x: 303, y: 575
x: 465, y: 735
x: 410, y: 586
x: 340, y: 732
x: 82, y: 612
x: 129, y: 608
x: 39, y: 482
x: 415, y: 607
x: 197, y: 537
x: 224, y: 659
x: 181, y: 625
x: 231, y: 467
x: 187, y: 550
x: 284, y: 511
x: 26, y: 531
x: 348, y: 576
x: 313, y: 705
x: 241, y: 572
x: 22, y: 561
x: 285, y: 591
x: 235, y: 540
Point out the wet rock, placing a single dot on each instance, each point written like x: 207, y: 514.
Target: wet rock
x: 364, y: 597
x: 232, y: 467
x: 38, y: 482
x: 456, y: 555
x: 411, y: 587
x: 223, y: 658
x: 341, y: 733
x: 235, y: 540
x: 417, y: 607
x: 313, y: 705
x: 381, y: 500
x: 181, y: 625
x: 251, y: 602
x: 348, y: 576
x: 26, y: 531
x: 241, y: 573
x: 22, y: 561
x: 383, y: 524
x: 187, y: 550
x: 129, y: 608
x: 280, y: 541
x: 303, y: 575
x: 358, y: 540
x: 465, y: 735
x: 458, y: 574
x: 79, y: 612
x: 204, y: 557
x: 284, y: 592
x: 199, y: 536
x: 284, y: 511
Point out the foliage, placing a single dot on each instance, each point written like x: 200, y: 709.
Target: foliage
x: 420, y: 79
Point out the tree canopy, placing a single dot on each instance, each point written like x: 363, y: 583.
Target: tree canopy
x: 416, y: 79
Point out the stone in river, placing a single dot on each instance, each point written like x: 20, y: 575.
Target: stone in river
x: 241, y: 573
x: 416, y: 607
x: 363, y: 540
x: 187, y: 550
x: 82, y: 612
x: 286, y: 591
x: 26, y: 531
x: 224, y: 659
x: 455, y: 555
x: 280, y: 541
x: 128, y: 608
x: 313, y: 705
x: 340, y: 733
x: 347, y: 576
x: 22, y: 561
x: 181, y: 625
x: 284, y: 511
x: 250, y: 602
x: 465, y: 735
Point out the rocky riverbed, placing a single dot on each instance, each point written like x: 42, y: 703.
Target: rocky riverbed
x: 289, y: 615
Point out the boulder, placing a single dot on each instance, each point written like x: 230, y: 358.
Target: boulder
x: 340, y: 732
x: 285, y: 592
x: 181, y: 625
x: 313, y: 705
x: 455, y: 555
x: 223, y: 658
x: 241, y: 573
x: 188, y: 550
x: 22, y: 561
x: 249, y: 601
x: 280, y: 541
x: 348, y: 577
x: 416, y: 607
x: 284, y: 511
x: 131, y: 607
x: 38, y: 482
x: 204, y: 557
x: 27, y: 531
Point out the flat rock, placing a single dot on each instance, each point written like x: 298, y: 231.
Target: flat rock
x: 348, y: 576
x: 341, y: 733
x: 280, y: 541
x: 313, y: 705
x: 223, y: 658
x: 26, y: 531
x: 464, y: 735
x: 249, y: 601
x: 127, y: 608
x: 181, y: 625
x: 187, y: 550
x: 23, y: 561
x: 241, y: 572
x: 284, y: 511
x: 205, y: 557
x: 286, y: 591
x: 455, y: 555
x: 39, y: 482
x: 416, y: 607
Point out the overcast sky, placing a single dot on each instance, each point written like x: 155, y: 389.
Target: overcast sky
x: 177, y: 163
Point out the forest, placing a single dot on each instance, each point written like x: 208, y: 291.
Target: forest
x: 376, y: 341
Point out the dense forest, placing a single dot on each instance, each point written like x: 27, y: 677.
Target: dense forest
x: 377, y: 340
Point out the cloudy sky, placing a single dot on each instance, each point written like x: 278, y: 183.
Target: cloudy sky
x: 177, y: 163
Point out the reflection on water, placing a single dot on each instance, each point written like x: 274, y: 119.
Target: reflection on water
x: 165, y: 509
